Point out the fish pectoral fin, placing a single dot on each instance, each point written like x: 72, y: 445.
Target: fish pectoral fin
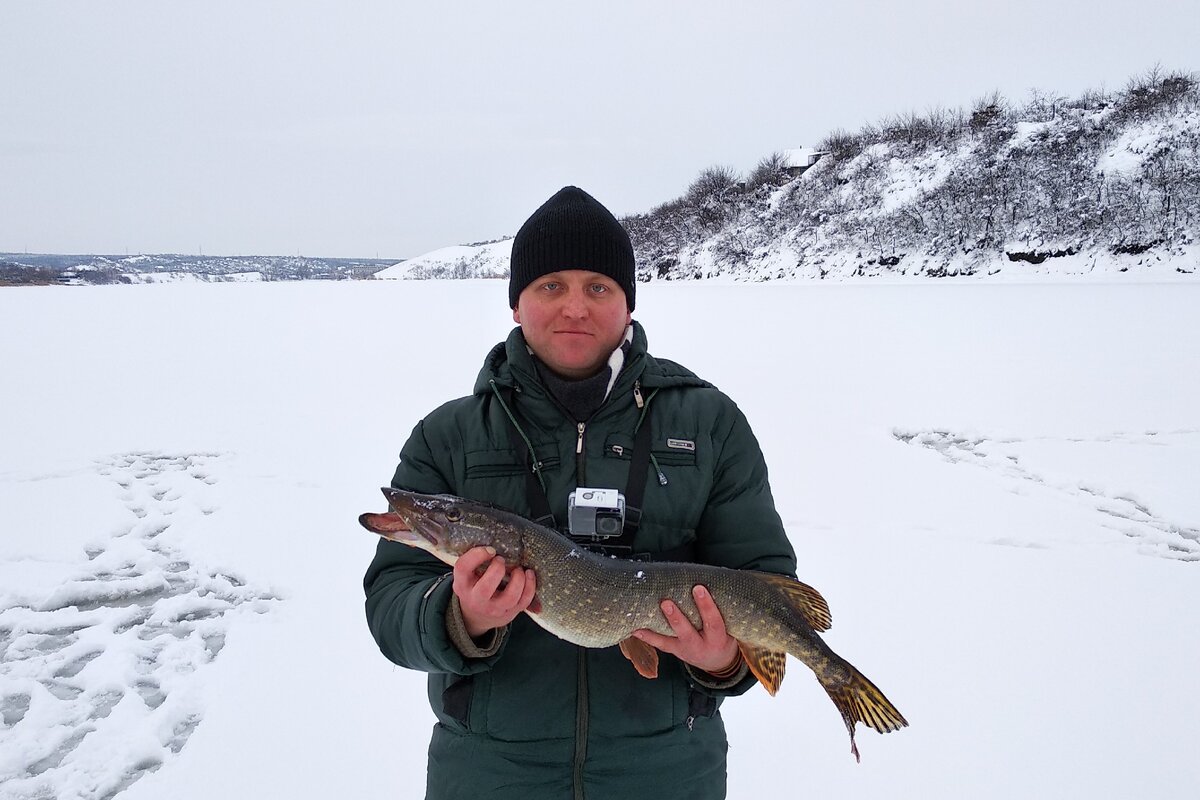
x: 383, y: 523
x: 643, y: 656
x: 766, y: 664
x: 804, y: 598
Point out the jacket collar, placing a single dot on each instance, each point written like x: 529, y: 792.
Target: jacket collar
x: 510, y: 366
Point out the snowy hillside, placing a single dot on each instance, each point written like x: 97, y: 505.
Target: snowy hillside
x: 992, y: 484
x: 1106, y: 182
x: 1051, y: 186
x: 488, y: 260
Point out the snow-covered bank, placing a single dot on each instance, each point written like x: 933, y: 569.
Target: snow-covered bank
x: 992, y: 484
x: 780, y: 264
x: 488, y: 260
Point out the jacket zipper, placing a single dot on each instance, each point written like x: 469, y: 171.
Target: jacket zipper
x: 579, y: 459
x: 581, y: 727
x: 425, y: 597
x: 582, y: 718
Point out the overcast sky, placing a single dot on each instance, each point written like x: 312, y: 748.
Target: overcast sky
x: 385, y: 128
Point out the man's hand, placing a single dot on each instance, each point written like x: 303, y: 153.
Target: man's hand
x: 710, y: 648
x: 478, y: 574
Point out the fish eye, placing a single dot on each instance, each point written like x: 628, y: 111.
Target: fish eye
x: 453, y: 514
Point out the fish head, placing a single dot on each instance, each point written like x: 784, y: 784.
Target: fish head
x: 443, y: 525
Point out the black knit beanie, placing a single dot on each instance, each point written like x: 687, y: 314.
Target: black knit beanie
x: 571, y: 230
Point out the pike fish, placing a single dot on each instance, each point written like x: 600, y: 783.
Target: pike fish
x: 597, y: 601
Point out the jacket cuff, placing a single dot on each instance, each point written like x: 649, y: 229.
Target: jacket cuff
x: 456, y: 628
x: 713, y: 684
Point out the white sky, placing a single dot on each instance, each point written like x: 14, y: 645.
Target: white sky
x: 379, y: 128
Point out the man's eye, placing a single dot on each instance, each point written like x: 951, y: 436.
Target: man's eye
x: 599, y: 288
x: 550, y: 286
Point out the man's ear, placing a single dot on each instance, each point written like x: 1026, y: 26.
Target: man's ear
x: 516, y: 315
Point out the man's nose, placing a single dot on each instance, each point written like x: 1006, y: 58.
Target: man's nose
x: 574, y: 305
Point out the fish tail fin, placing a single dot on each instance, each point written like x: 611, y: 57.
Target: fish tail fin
x: 859, y: 700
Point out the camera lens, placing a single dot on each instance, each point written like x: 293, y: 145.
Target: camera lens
x: 608, y: 526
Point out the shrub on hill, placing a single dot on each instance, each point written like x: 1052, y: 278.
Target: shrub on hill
x: 1116, y: 173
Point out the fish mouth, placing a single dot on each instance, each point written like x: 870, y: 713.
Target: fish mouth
x: 415, y: 515
x: 395, y: 528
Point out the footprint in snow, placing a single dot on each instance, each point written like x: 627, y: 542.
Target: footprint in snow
x: 1157, y: 534
x: 96, y: 676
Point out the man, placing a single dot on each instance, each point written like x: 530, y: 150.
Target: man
x: 573, y: 399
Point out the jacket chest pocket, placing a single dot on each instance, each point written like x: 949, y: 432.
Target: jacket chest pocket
x: 673, y: 451
x: 498, y: 477
x: 484, y: 464
x: 671, y: 510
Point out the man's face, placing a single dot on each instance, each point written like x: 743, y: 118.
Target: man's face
x: 573, y: 320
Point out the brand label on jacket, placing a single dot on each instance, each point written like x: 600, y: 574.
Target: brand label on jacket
x: 681, y: 444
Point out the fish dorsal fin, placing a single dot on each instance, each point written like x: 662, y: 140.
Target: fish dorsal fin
x: 804, y: 598
x: 642, y: 655
x: 766, y: 664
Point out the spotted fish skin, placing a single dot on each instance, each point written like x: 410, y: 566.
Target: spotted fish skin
x: 597, y: 601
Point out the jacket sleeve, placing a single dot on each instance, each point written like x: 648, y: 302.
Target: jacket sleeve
x: 409, y: 592
x: 739, y: 527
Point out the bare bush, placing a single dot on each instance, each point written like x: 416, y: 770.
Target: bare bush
x: 1043, y: 106
x: 771, y: 170
x: 987, y: 109
x: 1155, y: 90
x: 841, y: 144
x: 713, y: 184
x: 912, y: 127
x: 1092, y: 100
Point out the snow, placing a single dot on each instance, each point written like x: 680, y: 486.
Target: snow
x: 907, y: 179
x: 993, y: 484
x: 1139, y: 143
x: 484, y: 259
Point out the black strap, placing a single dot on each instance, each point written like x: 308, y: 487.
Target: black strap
x: 539, y: 504
x: 635, y: 488
x: 700, y: 705
x: 456, y: 699
x: 635, y: 492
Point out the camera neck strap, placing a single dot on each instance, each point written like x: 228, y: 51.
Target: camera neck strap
x: 535, y: 493
x: 539, y: 504
x: 635, y: 487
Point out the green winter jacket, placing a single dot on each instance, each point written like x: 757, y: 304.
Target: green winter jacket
x: 528, y: 715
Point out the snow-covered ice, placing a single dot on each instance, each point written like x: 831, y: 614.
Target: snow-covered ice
x: 992, y: 484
